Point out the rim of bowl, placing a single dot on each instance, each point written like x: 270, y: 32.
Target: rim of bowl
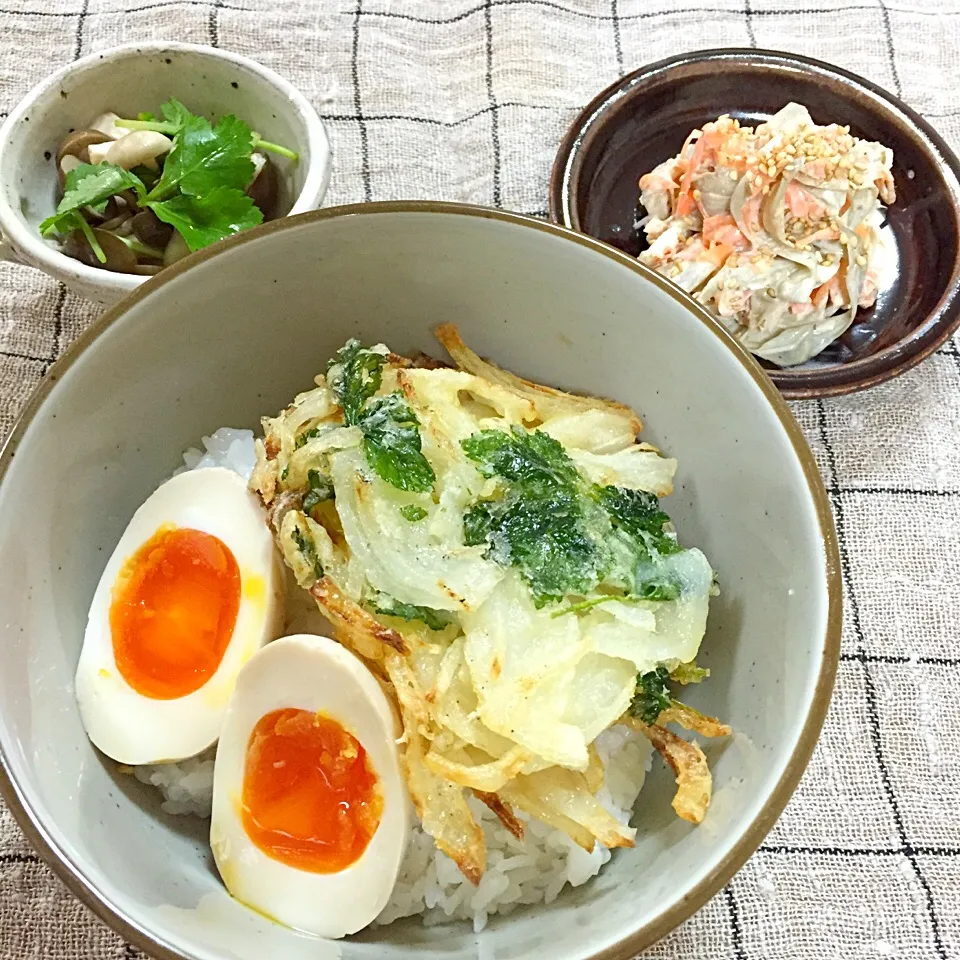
x: 746, y: 844
x: 794, y: 384
x: 315, y: 182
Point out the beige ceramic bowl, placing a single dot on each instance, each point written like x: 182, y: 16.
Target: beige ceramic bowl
x: 234, y: 333
x: 129, y: 79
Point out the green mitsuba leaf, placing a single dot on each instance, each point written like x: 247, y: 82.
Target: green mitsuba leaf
x: 391, y: 434
x: 652, y: 696
x: 216, y: 215
x: 541, y: 523
x: 205, y: 157
x: 89, y: 185
x: 391, y: 443
x: 391, y: 607
x: 354, y: 376
x: 565, y: 536
x: 320, y: 490
x: 308, y: 549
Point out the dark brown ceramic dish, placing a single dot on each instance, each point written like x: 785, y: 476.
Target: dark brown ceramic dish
x: 644, y: 118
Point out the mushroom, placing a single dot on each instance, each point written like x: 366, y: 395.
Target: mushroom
x: 106, y: 124
x: 68, y: 163
x: 114, y: 222
x: 120, y: 258
x: 138, y: 148
x: 76, y: 145
x: 265, y: 187
x: 151, y: 230
x: 176, y: 249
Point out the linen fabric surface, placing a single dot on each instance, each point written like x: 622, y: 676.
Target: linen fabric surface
x: 467, y: 100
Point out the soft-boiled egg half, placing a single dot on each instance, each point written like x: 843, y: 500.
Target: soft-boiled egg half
x: 192, y: 591
x: 310, y: 813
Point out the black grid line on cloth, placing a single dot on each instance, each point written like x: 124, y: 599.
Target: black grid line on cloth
x: 748, y: 17
x: 358, y: 105
x: 787, y: 849
x: 81, y: 20
x: 617, y: 39
x: 902, y: 492
x: 213, y: 23
x: 545, y: 4
x: 433, y: 121
x: 736, y: 931
x: 57, y: 319
x: 62, y: 290
x: 494, y: 106
x: 873, y: 717
x: 473, y: 11
x: 6, y: 858
x: 861, y: 657
x: 891, y: 52
x: 14, y: 355
x: 621, y: 17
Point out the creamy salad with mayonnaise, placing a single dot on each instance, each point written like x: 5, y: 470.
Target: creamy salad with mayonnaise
x: 776, y: 229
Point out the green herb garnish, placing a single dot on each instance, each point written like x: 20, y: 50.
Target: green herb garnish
x: 652, y: 696
x: 203, y: 220
x: 201, y: 191
x: 354, y: 376
x: 564, y: 534
x: 308, y: 550
x: 320, y: 490
x: 88, y: 185
x: 390, y: 607
x: 412, y: 512
x: 541, y: 523
x: 304, y: 438
x: 590, y: 603
x: 391, y: 438
x: 638, y: 514
x: 391, y: 442
x: 689, y: 673
x: 206, y: 158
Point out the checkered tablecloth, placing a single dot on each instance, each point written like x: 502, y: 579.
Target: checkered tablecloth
x: 467, y: 100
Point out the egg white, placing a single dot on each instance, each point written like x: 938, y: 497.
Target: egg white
x: 136, y: 729
x: 317, y: 674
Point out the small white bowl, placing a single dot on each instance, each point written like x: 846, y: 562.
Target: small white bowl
x: 129, y: 79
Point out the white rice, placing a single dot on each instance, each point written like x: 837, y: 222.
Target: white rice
x: 532, y: 870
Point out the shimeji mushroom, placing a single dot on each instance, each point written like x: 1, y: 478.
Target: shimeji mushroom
x: 151, y: 230
x: 140, y: 148
x: 264, y: 187
x: 106, y: 124
x: 176, y: 249
x: 74, y: 150
x: 119, y: 232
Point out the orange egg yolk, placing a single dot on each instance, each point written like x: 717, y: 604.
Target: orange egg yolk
x: 174, y: 607
x: 310, y: 797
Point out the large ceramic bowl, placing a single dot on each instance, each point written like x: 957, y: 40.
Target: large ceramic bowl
x: 230, y: 334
